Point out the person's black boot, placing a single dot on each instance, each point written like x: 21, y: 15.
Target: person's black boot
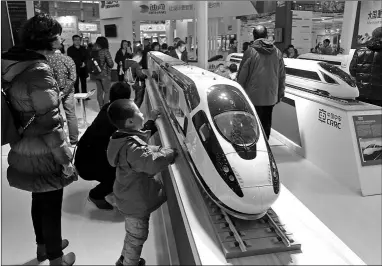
x: 41, y: 250
x: 102, y: 204
x: 119, y: 262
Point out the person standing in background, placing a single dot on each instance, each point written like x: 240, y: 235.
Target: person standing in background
x: 155, y: 46
x: 120, y: 58
x: 103, y: 79
x: 245, y: 46
x: 366, y: 67
x: 326, y: 48
x: 79, y: 55
x: 64, y: 71
x: 262, y: 75
x: 178, y: 52
x: 146, y: 49
x: 164, y: 48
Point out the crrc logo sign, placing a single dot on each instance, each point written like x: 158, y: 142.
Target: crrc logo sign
x: 329, y: 118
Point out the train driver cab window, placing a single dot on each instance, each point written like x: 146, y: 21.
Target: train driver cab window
x: 232, y: 115
x: 204, y: 131
x: 302, y: 73
x: 328, y: 79
x: 336, y: 71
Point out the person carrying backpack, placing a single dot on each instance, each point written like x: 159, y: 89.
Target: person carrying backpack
x: 99, y: 66
x: 39, y: 159
x: 135, y: 77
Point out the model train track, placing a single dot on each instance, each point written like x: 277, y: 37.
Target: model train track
x: 326, y: 95
x: 238, y: 238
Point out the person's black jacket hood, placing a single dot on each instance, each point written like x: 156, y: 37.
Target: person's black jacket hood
x: 263, y: 46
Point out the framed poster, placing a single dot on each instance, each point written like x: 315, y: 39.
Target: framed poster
x: 370, y: 18
x: 368, y: 130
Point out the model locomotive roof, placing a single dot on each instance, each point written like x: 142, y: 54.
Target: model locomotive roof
x: 301, y: 64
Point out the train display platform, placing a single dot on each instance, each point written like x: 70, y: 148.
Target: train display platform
x: 334, y: 224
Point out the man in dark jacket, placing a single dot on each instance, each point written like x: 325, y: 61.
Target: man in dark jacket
x: 91, y: 159
x: 262, y: 75
x: 366, y: 67
x: 79, y: 55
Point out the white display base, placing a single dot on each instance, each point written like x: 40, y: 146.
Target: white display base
x: 328, y: 138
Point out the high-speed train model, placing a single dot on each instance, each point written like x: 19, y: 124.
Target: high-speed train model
x: 322, y: 77
x: 226, y: 145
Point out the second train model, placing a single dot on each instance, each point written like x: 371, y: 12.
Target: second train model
x: 318, y: 76
x: 226, y: 145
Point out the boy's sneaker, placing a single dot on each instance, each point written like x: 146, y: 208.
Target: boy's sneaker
x: 141, y: 262
x: 101, y: 204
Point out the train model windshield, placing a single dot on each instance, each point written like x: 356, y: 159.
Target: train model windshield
x: 232, y: 115
x: 334, y: 70
x: 239, y: 128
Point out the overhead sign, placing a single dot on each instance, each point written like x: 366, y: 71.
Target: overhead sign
x: 87, y: 27
x: 168, y: 10
x: 69, y: 26
x: 153, y: 27
x: 370, y: 18
x: 110, y: 9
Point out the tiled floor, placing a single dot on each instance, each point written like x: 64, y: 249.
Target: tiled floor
x: 97, y: 237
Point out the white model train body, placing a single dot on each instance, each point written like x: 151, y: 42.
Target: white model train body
x: 226, y: 144
x: 340, y: 60
x: 313, y: 75
x: 321, y: 77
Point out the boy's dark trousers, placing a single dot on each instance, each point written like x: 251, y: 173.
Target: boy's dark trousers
x: 46, y: 217
x: 265, y: 116
x: 137, y: 231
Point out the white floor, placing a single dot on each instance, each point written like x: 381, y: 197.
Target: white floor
x: 97, y: 236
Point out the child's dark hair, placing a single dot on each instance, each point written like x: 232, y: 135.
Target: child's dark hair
x: 39, y: 32
x: 120, y: 90
x: 232, y: 68
x: 164, y: 46
x: 119, y: 111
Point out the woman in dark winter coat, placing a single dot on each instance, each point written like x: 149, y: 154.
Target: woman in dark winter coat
x: 103, y: 79
x: 41, y: 161
x: 366, y: 67
x: 91, y: 159
x: 121, y: 56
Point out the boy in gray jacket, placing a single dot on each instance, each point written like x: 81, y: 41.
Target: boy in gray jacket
x: 137, y: 192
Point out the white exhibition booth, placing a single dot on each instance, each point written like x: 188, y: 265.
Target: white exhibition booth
x: 126, y: 15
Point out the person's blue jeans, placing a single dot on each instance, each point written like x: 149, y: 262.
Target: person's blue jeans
x: 137, y: 231
x: 103, y: 89
x: 70, y: 113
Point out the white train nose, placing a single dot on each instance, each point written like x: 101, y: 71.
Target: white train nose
x: 251, y: 173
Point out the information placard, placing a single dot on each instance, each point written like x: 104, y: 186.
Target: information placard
x: 368, y: 129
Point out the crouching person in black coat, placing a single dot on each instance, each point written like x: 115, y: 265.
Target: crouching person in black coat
x: 91, y: 159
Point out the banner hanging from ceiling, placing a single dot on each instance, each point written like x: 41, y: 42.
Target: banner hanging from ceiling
x: 175, y: 10
x: 370, y: 18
